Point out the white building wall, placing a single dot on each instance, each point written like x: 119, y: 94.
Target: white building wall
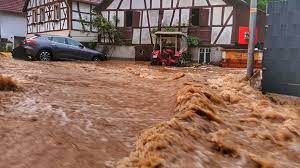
x: 12, y: 25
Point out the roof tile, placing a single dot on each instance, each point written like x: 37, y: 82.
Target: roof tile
x: 14, y: 6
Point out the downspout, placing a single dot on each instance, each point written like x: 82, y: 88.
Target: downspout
x: 69, y: 16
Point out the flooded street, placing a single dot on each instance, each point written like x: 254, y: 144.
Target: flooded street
x: 84, y: 114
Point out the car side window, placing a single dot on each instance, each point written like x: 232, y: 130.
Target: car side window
x: 59, y: 40
x: 73, y: 42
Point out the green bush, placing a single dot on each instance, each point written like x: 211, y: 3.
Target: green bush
x: 8, y: 48
x: 193, y: 41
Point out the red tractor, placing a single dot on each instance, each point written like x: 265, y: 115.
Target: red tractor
x: 170, y: 49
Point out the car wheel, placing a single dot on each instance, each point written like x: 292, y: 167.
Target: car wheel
x: 97, y: 59
x: 45, y: 55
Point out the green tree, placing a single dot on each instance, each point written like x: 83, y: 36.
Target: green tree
x: 261, y: 4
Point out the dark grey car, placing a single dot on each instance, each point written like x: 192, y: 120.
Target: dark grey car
x: 47, y: 48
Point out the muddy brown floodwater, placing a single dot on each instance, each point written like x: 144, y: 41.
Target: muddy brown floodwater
x: 92, y: 115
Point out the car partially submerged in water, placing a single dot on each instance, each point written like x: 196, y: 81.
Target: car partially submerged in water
x: 47, y: 48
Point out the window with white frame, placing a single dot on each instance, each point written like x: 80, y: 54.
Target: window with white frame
x: 204, y: 55
x: 57, y: 10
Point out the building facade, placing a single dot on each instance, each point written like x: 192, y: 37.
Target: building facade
x: 12, y: 23
x: 216, y: 23
x: 62, y: 17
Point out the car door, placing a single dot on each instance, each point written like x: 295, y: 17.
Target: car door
x: 60, y: 47
x: 76, y: 49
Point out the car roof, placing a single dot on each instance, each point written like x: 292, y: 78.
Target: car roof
x: 46, y: 35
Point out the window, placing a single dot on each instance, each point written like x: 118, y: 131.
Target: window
x: 129, y: 16
x: 204, y: 55
x: 42, y: 14
x: 200, y: 17
x: 57, y: 14
x: 34, y: 16
x: 59, y: 40
x: 73, y: 42
x: 195, y: 17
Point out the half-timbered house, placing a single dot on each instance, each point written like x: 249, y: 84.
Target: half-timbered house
x: 218, y: 23
x: 62, y: 17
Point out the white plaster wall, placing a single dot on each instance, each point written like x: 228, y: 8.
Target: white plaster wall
x: 64, y: 33
x: 166, y: 21
x: 194, y: 54
x: 105, y: 14
x: 225, y: 37
x: 155, y: 3
x: 185, y: 3
x: 175, y: 3
x: 85, y: 7
x: 138, y: 4
x: 167, y: 3
x: 227, y: 13
x: 214, y: 33
x: 216, y: 55
x: 148, y: 4
x: 176, y: 18
x: 145, y: 19
x: 75, y: 15
x: 136, y: 36
x: 201, y: 3
x: 217, y: 16
x: 77, y: 25
x: 125, y: 4
x: 121, y: 52
x: 185, y: 17
x: 217, y: 2
x: 112, y: 15
x: 145, y: 39
x: 154, y: 16
x: 121, y: 18
x: 12, y: 25
x: 74, y: 6
x: 84, y: 36
x: 114, y: 4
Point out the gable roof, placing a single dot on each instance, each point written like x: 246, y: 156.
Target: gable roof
x: 14, y: 6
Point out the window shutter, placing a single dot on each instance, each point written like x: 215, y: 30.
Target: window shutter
x: 204, y: 17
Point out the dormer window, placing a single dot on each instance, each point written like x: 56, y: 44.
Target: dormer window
x: 57, y: 15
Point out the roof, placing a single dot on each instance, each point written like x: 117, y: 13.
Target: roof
x: 94, y: 2
x: 91, y: 1
x: 170, y: 33
x: 105, y: 3
x: 14, y: 6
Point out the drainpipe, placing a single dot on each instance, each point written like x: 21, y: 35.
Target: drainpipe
x: 251, y: 45
x: 69, y: 17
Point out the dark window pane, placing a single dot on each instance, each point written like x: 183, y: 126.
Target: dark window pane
x: 129, y: 15
x: 195, y: 17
